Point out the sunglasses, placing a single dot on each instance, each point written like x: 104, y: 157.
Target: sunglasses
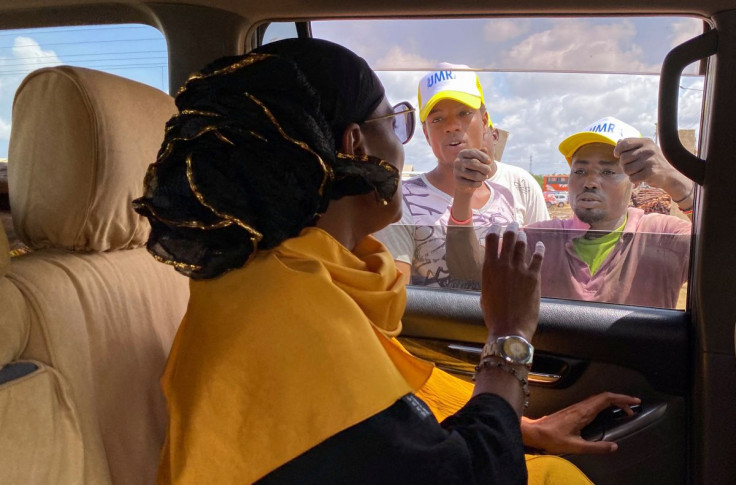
x: 403, y: 121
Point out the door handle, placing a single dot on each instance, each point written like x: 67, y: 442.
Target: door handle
x: 613, y: 424
x: 669, y: 87
x: 460, y: 358
x: 546, y: 371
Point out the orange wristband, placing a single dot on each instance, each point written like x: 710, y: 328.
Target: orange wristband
x: 461, y: 223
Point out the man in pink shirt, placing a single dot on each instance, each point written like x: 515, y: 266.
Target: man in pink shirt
x: 607, y: 252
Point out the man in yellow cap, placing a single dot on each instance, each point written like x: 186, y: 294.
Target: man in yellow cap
x: 457, y: 126
x: 608, y: 251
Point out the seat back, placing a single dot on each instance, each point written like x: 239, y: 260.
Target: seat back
x: 101, y: 313
x: 40, y: 441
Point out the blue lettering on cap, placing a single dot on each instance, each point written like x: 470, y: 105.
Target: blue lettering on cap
x: 440, y: 76
x: 602, y: 128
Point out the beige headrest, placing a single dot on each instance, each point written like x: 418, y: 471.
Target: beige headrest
x: 80, y: 143
x: 4, y: 252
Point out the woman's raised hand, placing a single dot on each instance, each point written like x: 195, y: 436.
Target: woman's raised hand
x: 510, y: 284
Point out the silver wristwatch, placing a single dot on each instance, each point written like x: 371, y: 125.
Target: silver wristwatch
x: 513, y: 349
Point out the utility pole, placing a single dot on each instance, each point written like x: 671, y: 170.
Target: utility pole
x: 530, y: 163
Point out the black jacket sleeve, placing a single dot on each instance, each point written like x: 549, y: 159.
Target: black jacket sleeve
x: 404, y: 444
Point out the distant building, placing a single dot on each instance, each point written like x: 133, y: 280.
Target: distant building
x: 3, y: 175
x: 409, y: 172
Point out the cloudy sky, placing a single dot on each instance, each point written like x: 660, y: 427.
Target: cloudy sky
x: 536, y: 73
x: 134, y: 51
x: 543, y: 78
x: 19, y: 55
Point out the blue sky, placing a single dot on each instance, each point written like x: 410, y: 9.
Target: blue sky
x: 134, y: 51
x: 539, y: 106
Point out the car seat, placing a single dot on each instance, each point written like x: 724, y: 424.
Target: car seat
x: 91, y: 315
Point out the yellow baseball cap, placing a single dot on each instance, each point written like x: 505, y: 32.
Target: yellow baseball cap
x: 450, y: 81
x: 606, y: 130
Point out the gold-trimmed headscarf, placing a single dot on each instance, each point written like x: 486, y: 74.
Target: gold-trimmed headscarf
x: 251, y: 158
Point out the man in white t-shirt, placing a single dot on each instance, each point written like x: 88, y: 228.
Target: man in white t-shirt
x: 529, y: 204
x: 417, y: 241
x: 455, y: 123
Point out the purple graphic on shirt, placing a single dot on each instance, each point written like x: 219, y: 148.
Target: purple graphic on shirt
x: 430, y: 212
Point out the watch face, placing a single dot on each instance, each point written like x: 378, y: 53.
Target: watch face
x: 517, y: 349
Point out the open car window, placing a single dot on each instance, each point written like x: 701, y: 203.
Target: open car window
x: 543, y: 80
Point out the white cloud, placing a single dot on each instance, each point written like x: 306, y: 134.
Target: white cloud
x: 505, y: 29
x: 26, y: 55
x: 31, y: 55
x: 541, y: 109
x: 4, y: 130
x: 690, y: 104
x: 419, y: 154
x: 539, y: 123
x: 401, y: 85
x: 582, y: 44
x: 684, y: 30
x: 398, y: 58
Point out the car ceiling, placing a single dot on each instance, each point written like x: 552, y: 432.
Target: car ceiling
x: 65, y: 11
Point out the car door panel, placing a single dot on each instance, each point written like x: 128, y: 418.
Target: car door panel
x: 582, y: 349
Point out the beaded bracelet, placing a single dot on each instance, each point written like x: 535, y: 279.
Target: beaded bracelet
x: 461, y: 223
x: 490, y: 362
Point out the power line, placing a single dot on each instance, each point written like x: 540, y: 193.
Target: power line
x: 113, y: 68
x: 122, y: 59
x: 84, y: 42
x: 51, y: 59
x: 57, y: 30
x: 95, y: 54
x: 102, y: 67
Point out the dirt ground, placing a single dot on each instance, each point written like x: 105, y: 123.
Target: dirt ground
x: 564, y: 212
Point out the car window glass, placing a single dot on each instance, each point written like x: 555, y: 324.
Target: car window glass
x: 136, y: 52
x: 543, y: 80
x: 279, y: 30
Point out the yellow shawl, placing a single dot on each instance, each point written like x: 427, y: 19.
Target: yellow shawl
x: 274, y: 358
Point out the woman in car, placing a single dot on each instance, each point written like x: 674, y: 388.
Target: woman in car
x: 271, y: 178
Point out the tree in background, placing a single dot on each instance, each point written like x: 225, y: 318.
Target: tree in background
x: 538, y: 178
